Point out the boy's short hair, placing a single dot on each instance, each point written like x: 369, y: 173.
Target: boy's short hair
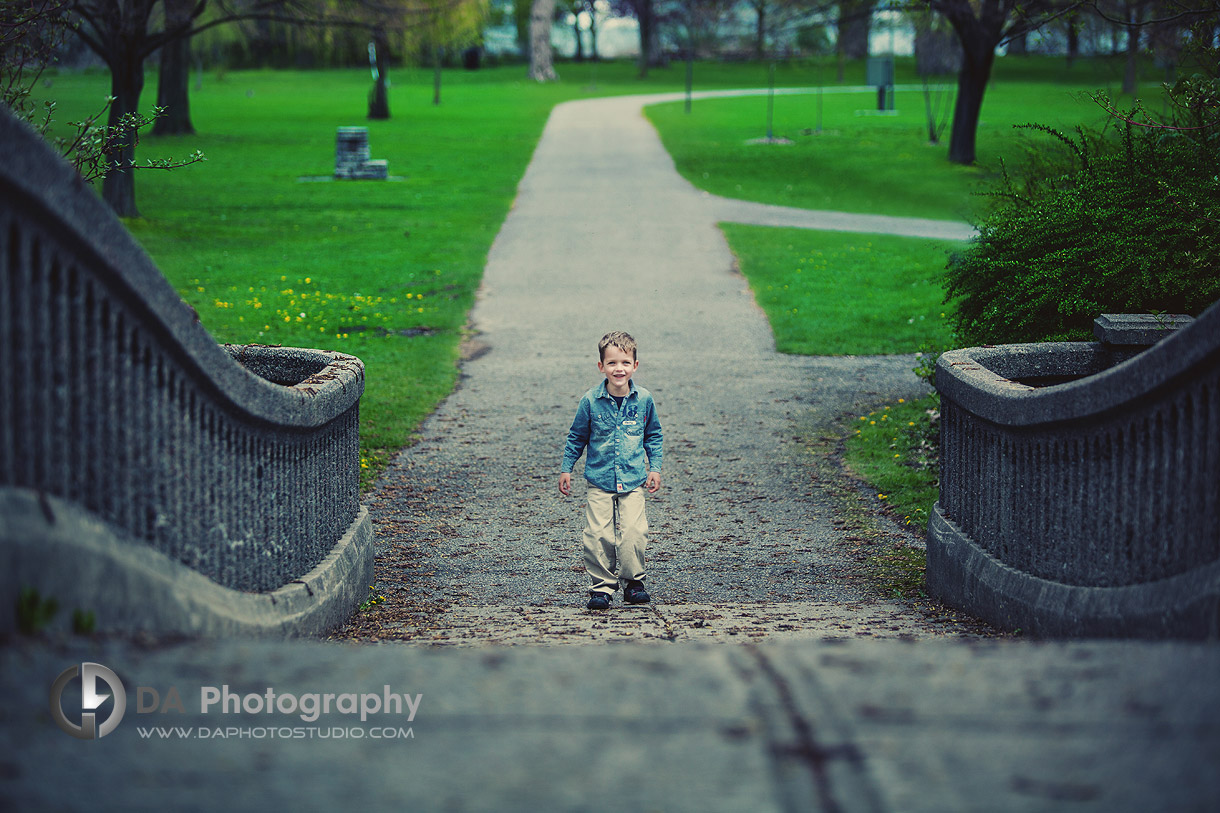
x: 619, y: 339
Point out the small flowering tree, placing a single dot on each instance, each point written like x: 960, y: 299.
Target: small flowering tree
x: 30, y: 33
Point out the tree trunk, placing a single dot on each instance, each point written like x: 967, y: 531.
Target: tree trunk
x: 593, y: 34
x: 379, y: 99
x: 173, y: 85
x: 930, y: 115
x: 1131, y: 73
x: 977, y: 60
x: 1019, y: 45
x: 437, y: 56
x: 649, y: 42
x: 580, y: 43
x: 855, y: 18
x: 173, y: 89
x: 690, y: 74
x: 126, y: 84
x: 542, y: 15
x: 1073, y: 40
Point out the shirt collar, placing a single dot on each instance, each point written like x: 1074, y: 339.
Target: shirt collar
x: 605, y: 393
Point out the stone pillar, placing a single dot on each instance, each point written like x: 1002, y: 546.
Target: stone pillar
x: 351, y: 150
x: 352, y: 156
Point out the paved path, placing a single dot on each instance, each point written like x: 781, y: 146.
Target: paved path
x: 606, y: 235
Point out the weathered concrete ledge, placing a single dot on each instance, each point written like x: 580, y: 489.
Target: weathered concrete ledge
x: 242, y: 463
x: 1185, y: 606
x: 1137, y: 329
x: 1078, y: 483
x: 68, y: 554
x: 941, y: 726
x: 47, y: 197
x: 987, y: 380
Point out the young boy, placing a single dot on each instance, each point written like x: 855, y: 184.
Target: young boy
x: 617, y: 422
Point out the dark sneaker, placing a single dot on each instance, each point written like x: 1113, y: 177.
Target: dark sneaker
x: 634, y: 593
x: 599, y: 601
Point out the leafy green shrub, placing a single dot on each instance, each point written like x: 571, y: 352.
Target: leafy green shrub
x: 84, y: 622
x: 1129, y: 223
x: 33, y: 611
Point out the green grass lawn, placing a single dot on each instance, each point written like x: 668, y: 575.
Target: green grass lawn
x: 894, y: 448
x: 388, y: 271
x: 833, y: 293
x: 384, y: 270
x: 843, y: 156
x: 856, y: 164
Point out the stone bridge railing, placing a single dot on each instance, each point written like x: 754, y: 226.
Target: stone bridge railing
x: 126, y: 431
x: 1080, y: 486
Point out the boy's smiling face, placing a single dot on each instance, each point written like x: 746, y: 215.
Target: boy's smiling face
x: 617, y: 365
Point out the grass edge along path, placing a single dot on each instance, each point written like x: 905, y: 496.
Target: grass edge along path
x: 892, y: 455
x: 838, y: 293
x: 827, y: 293
x: 875, y: 534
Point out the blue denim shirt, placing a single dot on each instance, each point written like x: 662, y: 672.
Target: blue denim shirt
x: 617, y: 439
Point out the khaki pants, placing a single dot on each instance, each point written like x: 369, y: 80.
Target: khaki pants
x: 614, y: 553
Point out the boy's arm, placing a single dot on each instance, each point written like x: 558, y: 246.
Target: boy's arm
x: 652, y: 441
x: 578, y: 438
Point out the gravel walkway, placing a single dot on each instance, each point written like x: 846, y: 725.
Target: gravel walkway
x: 477, y: 545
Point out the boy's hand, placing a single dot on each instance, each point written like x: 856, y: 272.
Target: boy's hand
x: 654, y: 482
x: 565, y: 483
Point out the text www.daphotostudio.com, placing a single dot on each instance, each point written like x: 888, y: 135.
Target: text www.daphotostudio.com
x: 98, y: 684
